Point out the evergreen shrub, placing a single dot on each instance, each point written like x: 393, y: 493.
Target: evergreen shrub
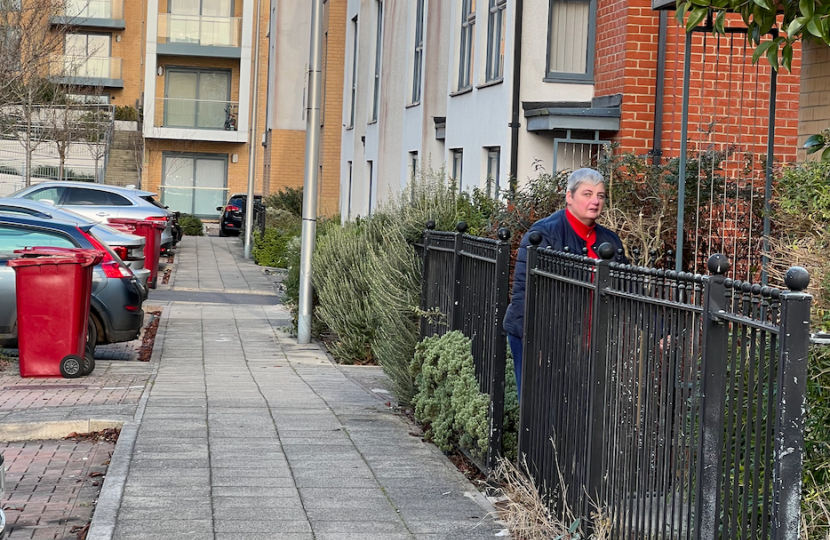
x: 191, y: 225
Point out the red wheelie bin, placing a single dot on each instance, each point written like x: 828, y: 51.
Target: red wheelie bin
x: 53, y: 291
x: 151, y: 231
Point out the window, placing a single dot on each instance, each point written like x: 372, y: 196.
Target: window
x: 354, y: 73
x: 52, y: 194
x: 349, y: 207
x: 493, y: 159
x: 197, y: 99
x: 457, y: 173
x: 418, y: 53
x: 194, y: 184
x: 378, y: 49
x: 370, y: 172
x: 203, y: 22
x: 94, y: 197
x: 571, y: 40
x: 87, y: 55
x: 495, y: 40
x: 10, y: 48
x: 413, y: 168
x: 467, y: 49
x: 12, y: 238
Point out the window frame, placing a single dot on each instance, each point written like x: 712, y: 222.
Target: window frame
x: 418, y: 53
x: 458, y: 168
x: 466, y: 46
x: 194, y: 156
x: 588, y: 76
x: 378, y: 60
x: 493, y: 151
x: 497, y: 11
x: 353, y: 100
x: 198, y: 71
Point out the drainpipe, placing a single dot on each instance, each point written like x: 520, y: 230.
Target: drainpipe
x: 657, y: 148
x: 252, y: 140
x: 517, y: 104
x: 312, y: 171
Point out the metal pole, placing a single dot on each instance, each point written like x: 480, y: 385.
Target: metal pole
x: 252, y: 143
x: 770, y: 158
x: 312, y: 160
x: 681, y: 175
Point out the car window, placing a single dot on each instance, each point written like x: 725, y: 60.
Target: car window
x: 86, y: 197
x: 17, y: 211
x: 118, y: 200
x: 46, y: 194
x: 238, y: 202
x: 12, y: 238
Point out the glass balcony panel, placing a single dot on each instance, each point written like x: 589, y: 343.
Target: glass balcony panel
x: 196, y: 113
x: 95, y: 9
x: 200, y: 30
x: 92, y: 67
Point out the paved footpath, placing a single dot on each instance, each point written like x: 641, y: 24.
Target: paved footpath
x: 245, y: 434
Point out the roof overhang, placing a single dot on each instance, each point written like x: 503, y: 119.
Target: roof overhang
x: 602, y: 114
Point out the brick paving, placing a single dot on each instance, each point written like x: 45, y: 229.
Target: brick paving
x: 49, y: 487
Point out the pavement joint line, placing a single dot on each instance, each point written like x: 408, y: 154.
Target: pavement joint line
x: 223, y: 291
x: 105, y: 517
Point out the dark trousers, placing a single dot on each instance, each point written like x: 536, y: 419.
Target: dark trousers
x: 516, y: 348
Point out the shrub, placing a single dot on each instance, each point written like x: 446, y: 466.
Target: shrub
x: 191, y: 225
x: 270, y: 249
x: 126, y: 113
x: 288, y: 199
x: 448, y: 401
x: 816, y: 494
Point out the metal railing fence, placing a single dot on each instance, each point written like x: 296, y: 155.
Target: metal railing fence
x: 259, y: 218
x: 466, y: 281
x: 670, y: 403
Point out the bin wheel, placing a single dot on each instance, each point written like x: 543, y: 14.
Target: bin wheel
x: 89, y: 365
x: 72, y: 366
x: 91, y: 337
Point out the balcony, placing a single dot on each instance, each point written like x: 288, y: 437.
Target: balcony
x: 105, y: 14
x: 87, y: 71
x: 194, y: 35
x: 196, y: 119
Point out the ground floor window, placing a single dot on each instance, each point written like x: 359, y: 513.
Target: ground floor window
x: 493, y: 164
x: 195, y: 184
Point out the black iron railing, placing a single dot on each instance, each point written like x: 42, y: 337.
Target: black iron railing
x: 671, y: 403
x: 259, y: 218
x: 465, y: 287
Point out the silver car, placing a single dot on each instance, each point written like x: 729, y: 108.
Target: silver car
x: 128, y: 247
x: 101, y: 202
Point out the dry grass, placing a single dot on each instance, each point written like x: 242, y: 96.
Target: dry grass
x: 815, y: 514
x: 810, y: 252
x: 526, y: 512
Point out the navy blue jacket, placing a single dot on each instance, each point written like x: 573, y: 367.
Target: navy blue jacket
x: 556, y: 233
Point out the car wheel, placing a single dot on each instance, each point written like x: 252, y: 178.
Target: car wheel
x: 72, y: 366
x: 89, y: 365
x: 91, y: 337
x: 222, y: 231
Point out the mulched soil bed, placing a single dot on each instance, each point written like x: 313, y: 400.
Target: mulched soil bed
x: 109, y: 435
x: 167, y: 273
x: 145, y: 352
x: 4, y: 364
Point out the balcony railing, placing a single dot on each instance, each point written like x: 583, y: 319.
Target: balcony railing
x: 92, y: 67
x: 196, y: 114
x: 94, y: 9
x: 200, y: 30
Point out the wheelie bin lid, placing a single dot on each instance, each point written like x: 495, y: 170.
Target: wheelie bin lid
x: 43, y: 255
x: 124, y: 221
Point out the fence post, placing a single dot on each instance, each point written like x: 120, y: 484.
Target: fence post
x: 792, y: 396
x: 456, y: 318
x: 601, y: 315
x: 499, y: 348
x: 530, y: 312
x: 714, y: 348
x: 430, y: 226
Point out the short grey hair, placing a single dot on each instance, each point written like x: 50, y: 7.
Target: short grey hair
x: 582, y: 176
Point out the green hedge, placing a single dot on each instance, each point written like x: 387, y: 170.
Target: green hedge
x: 270, y: 249
x: 191, y: 225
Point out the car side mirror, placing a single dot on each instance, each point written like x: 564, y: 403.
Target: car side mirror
x: 218, y: 208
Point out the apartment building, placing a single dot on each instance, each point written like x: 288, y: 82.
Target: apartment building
x: 432, y: 84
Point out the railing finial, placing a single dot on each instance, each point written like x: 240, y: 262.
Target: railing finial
x: 461, y: 227
x: 504, y: 234
x: 431, y: 225
x: 718, y: 264
x: 797, y: 278
x: 535, y: 238
x: 606, y: 251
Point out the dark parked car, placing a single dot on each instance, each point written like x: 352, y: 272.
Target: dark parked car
x: 115, y: 311
x: 233, y: 214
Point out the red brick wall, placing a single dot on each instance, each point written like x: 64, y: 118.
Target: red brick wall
x: 728, y: 103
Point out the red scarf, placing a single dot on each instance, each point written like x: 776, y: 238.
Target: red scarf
x: 588, y: 234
